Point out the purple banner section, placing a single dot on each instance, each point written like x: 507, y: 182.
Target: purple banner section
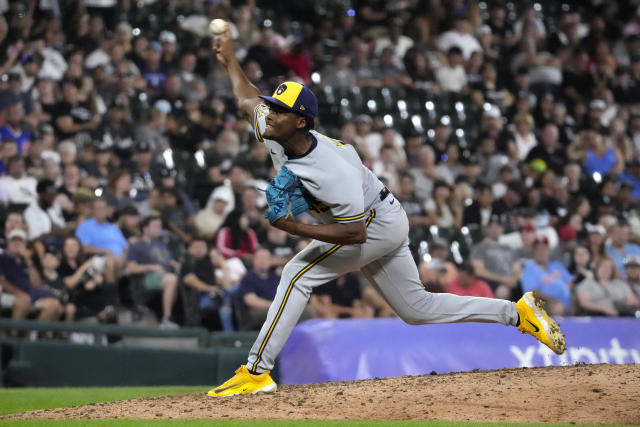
x: 342, y: 350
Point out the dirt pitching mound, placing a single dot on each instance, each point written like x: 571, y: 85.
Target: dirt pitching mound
x: 591, y: 394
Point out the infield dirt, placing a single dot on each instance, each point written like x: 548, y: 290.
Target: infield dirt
x: 589, y: 394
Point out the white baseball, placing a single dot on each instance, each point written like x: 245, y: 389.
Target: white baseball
x: 218, y: 26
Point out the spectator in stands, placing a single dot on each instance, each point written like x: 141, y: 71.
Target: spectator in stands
x: 129, y: 223
x: 256, y: 292
x: 73, y: 116
x: 550, y: 279
x: 432, y: 274
x: 44, y: 219
x: 632, y: 268
x: 478, y: 213
x: 235, y: 239
x: 549, y: 150
x: 19, y: 277
x: 619, y: 246
x: 209, y: 219
x: 581, y: 266
x: 53, y: 282
x: 101, y: 237
x: 451, y: 76
x: 150, y: 259
x: 117, y: 192
x: 494, y: 262
x: 467, y: 284
x: 8, y: 149
x: 425, y: 173
x: 460, y: 35
x: 18, y: 186
x: 13, y: 128
x: 206, y: 273
x: 84, y: 280
x: 605, y: 293
x: 339, y: 298
x: 589, y: 148
x: 523, y: 134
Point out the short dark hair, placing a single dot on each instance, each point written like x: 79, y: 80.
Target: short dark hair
x: 43, y: 185
x: 148, y: 220
x: 14, y: 159
x: 467, y: 267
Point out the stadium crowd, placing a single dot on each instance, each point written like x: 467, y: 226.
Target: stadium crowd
x: 509, y: 131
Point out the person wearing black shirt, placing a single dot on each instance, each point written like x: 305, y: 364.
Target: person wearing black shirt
x: 549, y: 150
x: 203, y: 289
x: 71, y: 116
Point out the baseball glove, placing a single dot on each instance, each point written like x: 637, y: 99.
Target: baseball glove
x: 285, y: 196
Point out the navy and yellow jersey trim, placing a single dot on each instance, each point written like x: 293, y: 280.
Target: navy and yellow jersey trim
x: 372, y: 215
x: 349, y: 218
x: 260, y: 109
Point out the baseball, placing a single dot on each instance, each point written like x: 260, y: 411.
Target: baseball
x: 217, y: 26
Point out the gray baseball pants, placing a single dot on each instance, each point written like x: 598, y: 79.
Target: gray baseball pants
x: 386, y: 261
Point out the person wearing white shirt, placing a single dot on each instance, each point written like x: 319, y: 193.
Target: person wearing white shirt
x: 18, y: 187
x: 452, y: 77
x: 460, y: 35
x: 44, y: 216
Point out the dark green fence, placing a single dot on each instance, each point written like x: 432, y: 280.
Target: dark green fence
x: 205, y: 358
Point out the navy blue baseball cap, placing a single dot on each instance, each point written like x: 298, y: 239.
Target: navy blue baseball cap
x: 295, y: 97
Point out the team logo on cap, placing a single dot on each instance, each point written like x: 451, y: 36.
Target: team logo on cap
x: 281, y: 89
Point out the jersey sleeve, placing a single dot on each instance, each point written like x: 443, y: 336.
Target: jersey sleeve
x: 259, y: 124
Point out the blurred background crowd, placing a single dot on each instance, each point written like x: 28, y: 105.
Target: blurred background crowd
x: 130, y: 187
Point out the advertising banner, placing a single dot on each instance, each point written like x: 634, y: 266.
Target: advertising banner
x: 340, y: 350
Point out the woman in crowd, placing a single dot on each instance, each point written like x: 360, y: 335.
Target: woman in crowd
x: 235, y: 239
x: 606, y: 294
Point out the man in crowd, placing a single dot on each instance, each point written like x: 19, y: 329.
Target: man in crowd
x: 494, y: 262
x: 550, y: 279
x: 150, y: 259
x: 467, y: 284
x: 19, y: 277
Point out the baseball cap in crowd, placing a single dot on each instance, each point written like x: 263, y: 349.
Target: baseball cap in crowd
x: 167, y: 37
x: 17, y: 234
x: 143, y: 146
x: 295, y: 97
x: 595, y: 228
x: 631, y: 260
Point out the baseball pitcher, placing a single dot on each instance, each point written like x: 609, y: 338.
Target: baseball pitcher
x: 360, y: 226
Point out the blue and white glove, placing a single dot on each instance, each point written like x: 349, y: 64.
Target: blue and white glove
x: 279, y: 192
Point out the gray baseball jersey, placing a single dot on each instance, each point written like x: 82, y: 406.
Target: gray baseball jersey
x: 347, y: 191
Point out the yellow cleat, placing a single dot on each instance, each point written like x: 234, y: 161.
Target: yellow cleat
x: 243, y: 382
x: 535, y: 321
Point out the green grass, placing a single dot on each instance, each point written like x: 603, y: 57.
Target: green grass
x: 28, y: 399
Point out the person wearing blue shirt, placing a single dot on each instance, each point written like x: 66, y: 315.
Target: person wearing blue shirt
x: 631, y: 175
x: 550, y: 279
x: 13, y: 130
x: 619, y: 246
x: 102, y: 238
